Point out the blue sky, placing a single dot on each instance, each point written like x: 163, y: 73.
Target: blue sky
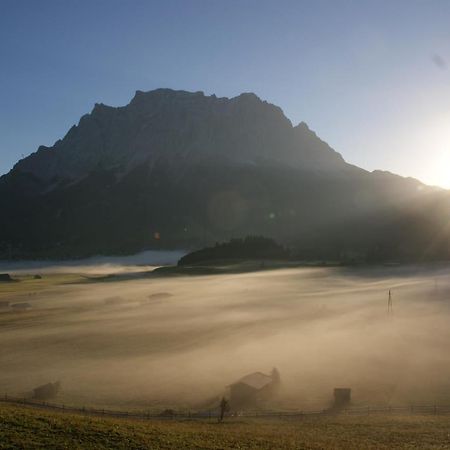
x: 372, y: 78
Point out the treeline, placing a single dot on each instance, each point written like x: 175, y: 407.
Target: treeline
x: 250, y: 247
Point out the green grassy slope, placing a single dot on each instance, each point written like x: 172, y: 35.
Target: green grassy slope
x: 27, y: 428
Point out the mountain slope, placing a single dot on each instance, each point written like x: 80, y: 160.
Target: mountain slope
x: 179, y: 169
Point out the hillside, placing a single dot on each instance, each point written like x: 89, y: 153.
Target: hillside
x: 175, y: 169
x: 31, y: 429
x: 252, y: 247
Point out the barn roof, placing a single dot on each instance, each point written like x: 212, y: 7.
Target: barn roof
x: 256, y: 380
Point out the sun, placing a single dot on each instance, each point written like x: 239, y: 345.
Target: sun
x: 435, y: 143
x: 440, y: 170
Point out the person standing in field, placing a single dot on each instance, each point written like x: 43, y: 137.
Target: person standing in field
x: 224, y: 407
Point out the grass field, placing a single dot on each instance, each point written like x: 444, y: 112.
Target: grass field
x: 140, y: 343
x: 27, y: 428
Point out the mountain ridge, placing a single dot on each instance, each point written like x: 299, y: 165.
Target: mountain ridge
x: 139, y: 103
x: 181, y: 169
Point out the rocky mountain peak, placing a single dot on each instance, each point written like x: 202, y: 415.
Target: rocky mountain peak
x: 182, y: 128
x: 192, y: 168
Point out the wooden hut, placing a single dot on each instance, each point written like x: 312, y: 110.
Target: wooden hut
x: 46, y: 391
x: 249, y: 391
x: 342, y: 397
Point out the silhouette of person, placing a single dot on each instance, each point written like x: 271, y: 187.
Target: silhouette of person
x: 224, y: 406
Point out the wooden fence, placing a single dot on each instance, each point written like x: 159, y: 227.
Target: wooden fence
x: 213, y: 413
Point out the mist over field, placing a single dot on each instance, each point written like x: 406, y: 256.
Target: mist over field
x: 177, y: 342
x: 96, y: 264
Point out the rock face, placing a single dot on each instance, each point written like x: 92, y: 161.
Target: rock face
x: 176, y: 130
x: 175, y: 169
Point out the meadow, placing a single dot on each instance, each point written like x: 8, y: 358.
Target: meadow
x: 140, y: 342
x: 26, y: 428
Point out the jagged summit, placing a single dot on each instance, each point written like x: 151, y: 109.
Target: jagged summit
x: 193, y: 169
x: 182, y: 128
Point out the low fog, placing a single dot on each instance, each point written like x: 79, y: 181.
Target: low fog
x: 156, y: 342
x: 96, y: 265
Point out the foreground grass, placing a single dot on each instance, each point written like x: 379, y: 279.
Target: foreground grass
x: 27, y: 428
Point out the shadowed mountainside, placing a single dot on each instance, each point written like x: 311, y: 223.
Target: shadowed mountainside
x: 174, y: 169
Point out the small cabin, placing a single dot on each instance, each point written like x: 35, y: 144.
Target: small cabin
x: 342, y: 397
x: 249, y: 391
x: 46, y: 391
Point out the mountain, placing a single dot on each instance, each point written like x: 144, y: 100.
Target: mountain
x: 175, y: 169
